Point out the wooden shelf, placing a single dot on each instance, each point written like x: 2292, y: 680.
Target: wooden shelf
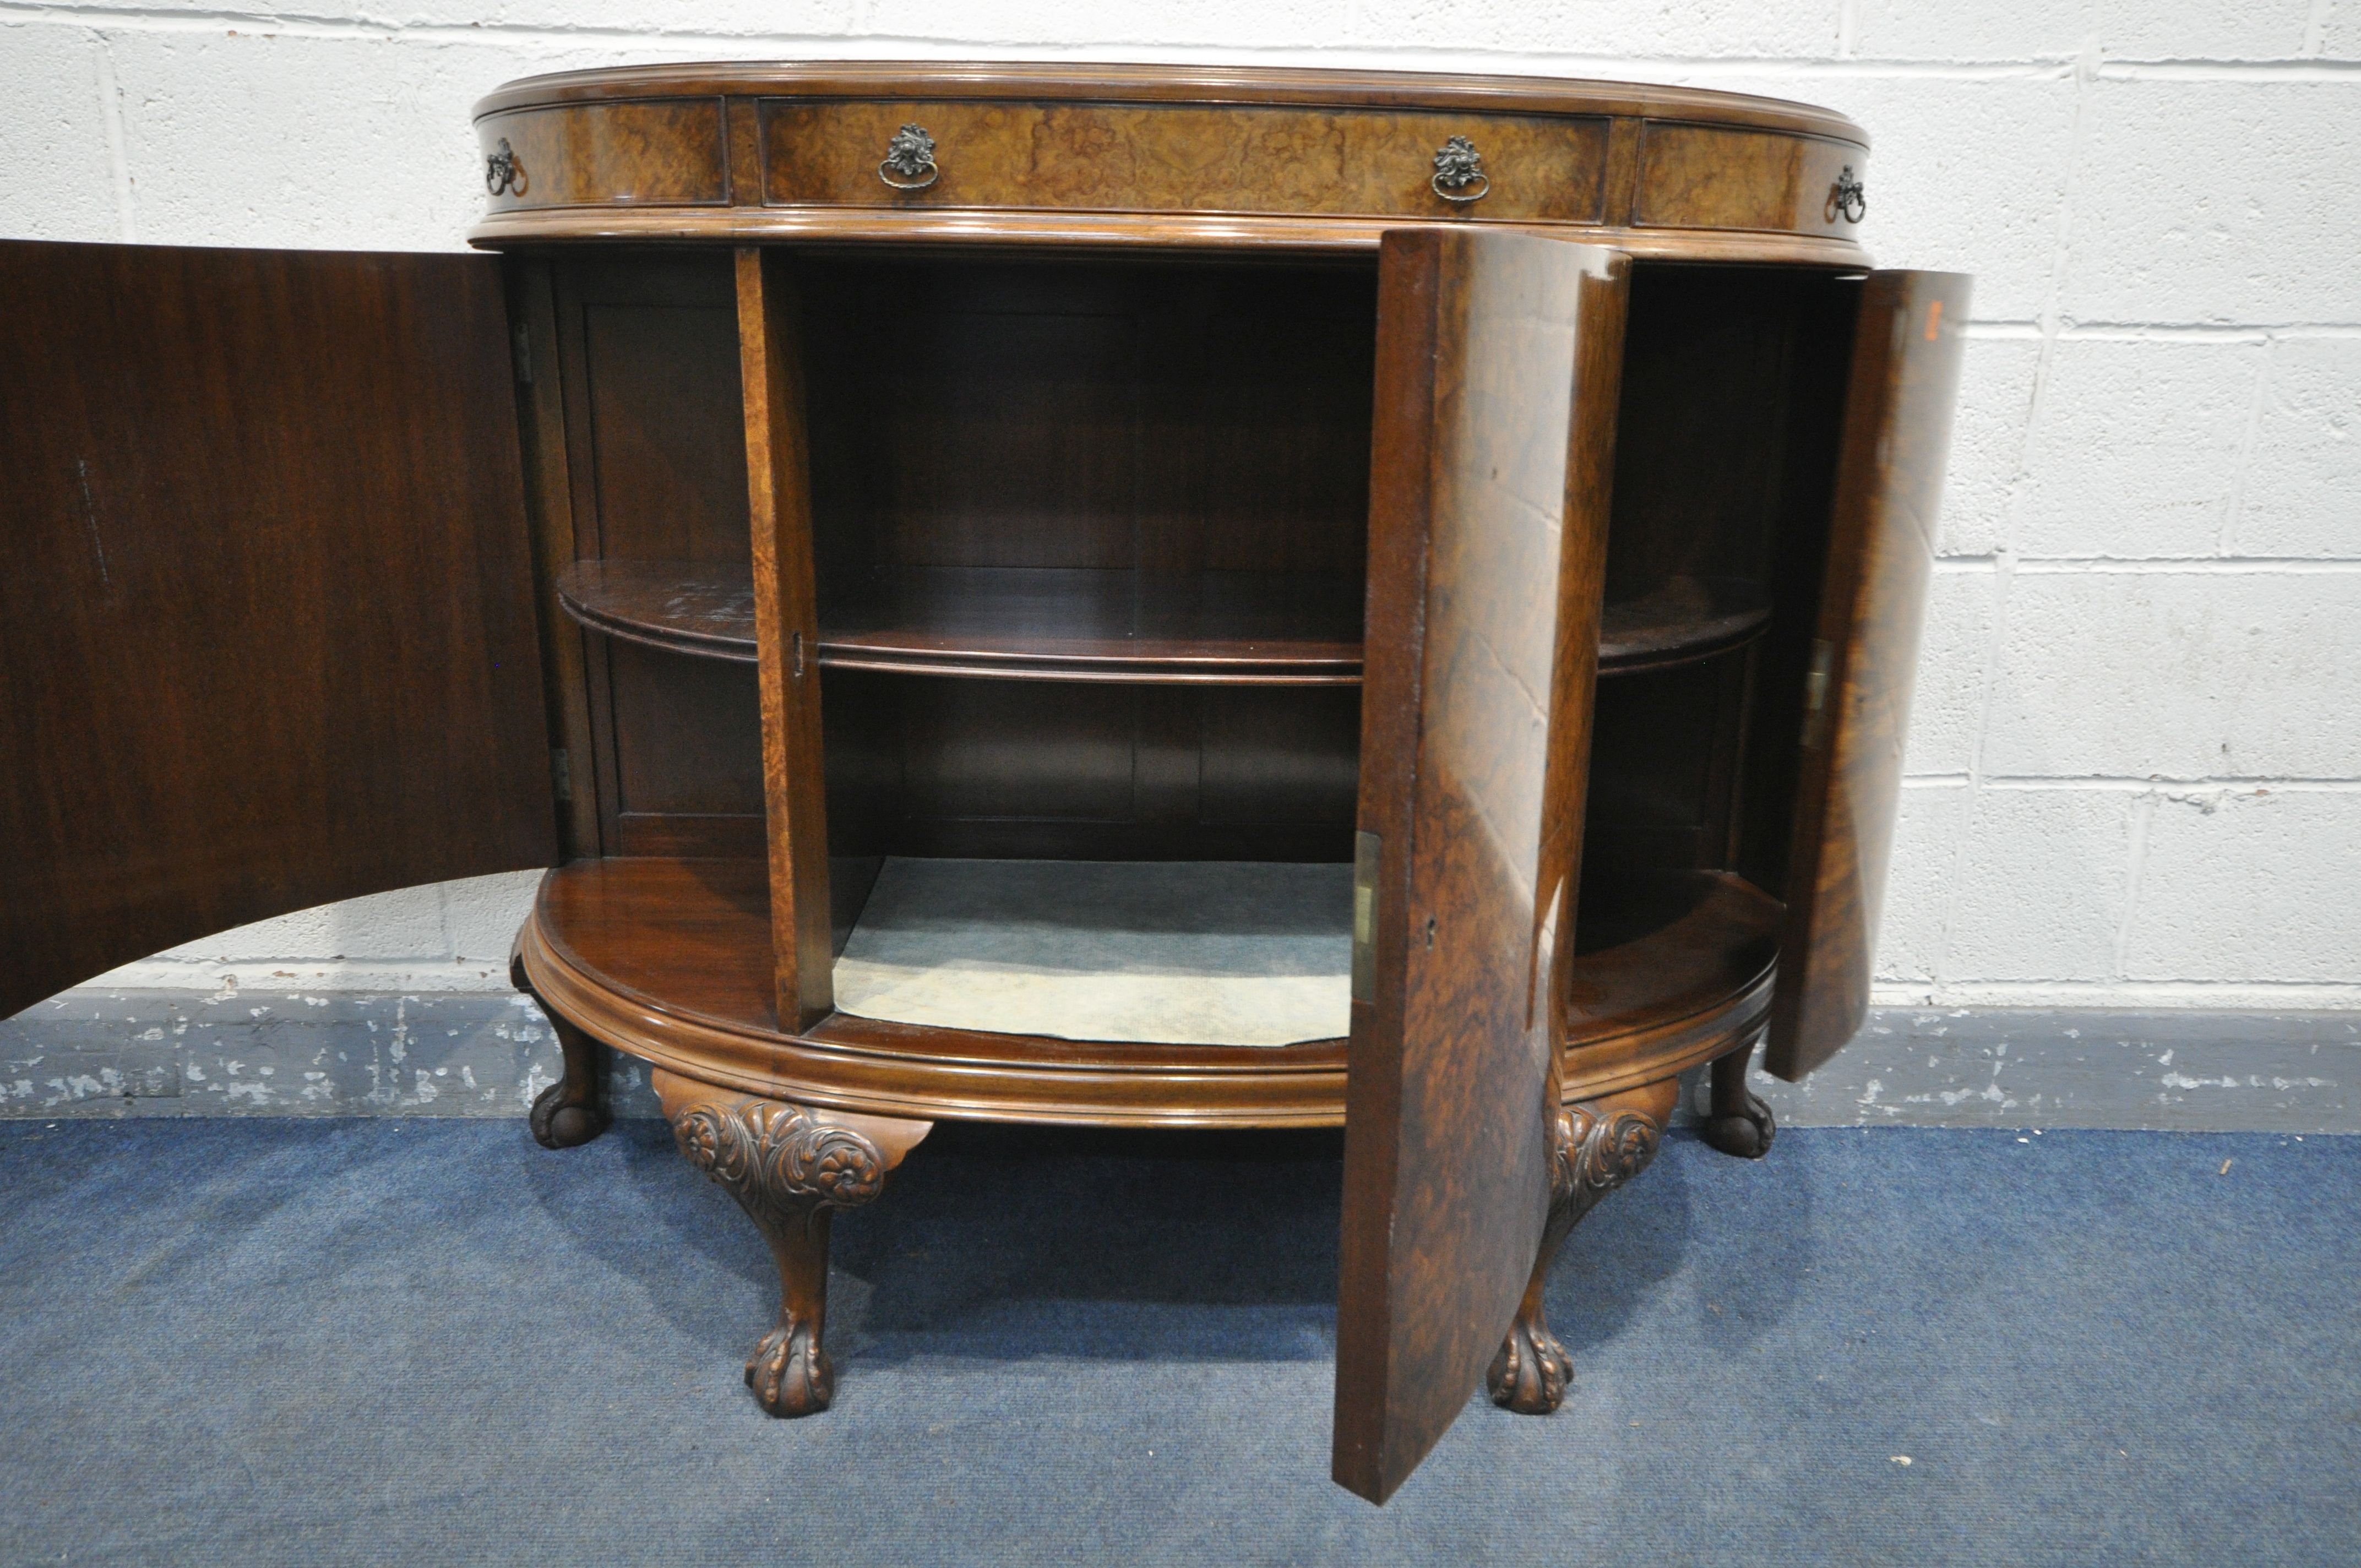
x: 685, y: 606
x: 1212, y: 628
x: 1668, y: 956
x: 1219, y: 627
x: 1685, y: 620
x: 1049, y: 623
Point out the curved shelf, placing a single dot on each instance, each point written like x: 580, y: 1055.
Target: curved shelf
x: 1684, y: 619
x: 686, y: 606
x: 1040, y: 623
x: 671, y: 961
x: 1050, y: 623
x: 1669, y: 962
x: 1008, y: 623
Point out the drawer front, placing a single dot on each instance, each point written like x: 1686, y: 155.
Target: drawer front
x: 1183, y: 158
x: 1715, y: 177
x: 664, y: 151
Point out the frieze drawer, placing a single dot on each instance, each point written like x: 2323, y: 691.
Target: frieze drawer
x: 1181, y: 158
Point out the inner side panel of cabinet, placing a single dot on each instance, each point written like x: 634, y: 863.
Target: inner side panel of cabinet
x: 1090, y: 543
x: 1733, y: 390
x: 655, y: 445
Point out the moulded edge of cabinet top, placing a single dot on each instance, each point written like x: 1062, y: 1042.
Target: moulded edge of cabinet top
x: 1000, y: 226
x: 1170, y: 85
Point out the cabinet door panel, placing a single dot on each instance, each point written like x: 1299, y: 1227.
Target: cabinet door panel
x: 1897, y: 432
x: 266, y: 623
x: 1497, y: 361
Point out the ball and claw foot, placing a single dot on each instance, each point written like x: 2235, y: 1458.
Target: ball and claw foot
x: 1745, y: 1132
x: 789, y: 1372
x: 572, y: 1111
x: 1736, y: 1120
x: 1530, y: 1373
x: 561, y: 1121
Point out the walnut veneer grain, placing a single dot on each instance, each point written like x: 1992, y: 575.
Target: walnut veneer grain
x: 1498, y: 359
x: 1897, y: 433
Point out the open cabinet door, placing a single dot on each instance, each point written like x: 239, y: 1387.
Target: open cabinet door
x: 266, y: 608
x: 1498, y: 359
x: 1897, y: 432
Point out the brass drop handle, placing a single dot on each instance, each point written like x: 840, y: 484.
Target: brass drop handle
x: 504, y: 171
x: 1847, y: 197
x: 1459, y: 172
x: 910, y: 162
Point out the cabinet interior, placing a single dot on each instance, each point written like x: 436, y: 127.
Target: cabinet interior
x: 653, y: 429
x: 1090, y: 549
x: 1726, y: 442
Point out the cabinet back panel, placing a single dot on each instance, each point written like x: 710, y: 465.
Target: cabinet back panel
x: 688, y: 734
x: 667, y: 431
x: 1017, y: 751
x: 1701, y: 439
x: 1039, y: 768
x: 1733, y: 388
x: 996, y: 440
x: 656, y: 426
x: 1170, y: 417
x: 656, y: 456
x: 1663, y: 749
x: 1771, y: 766
x: 1281, y: 756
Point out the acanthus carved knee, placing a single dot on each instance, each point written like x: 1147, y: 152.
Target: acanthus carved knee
x: 1596, y: 1154
x: 781, y: 1157
x: 789, y: 1166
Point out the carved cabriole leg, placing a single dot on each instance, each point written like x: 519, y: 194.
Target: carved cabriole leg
x: 1596, y: 1146
x: 572, y: 1111
x: 1737, y: 1122
x: 788, y: 1166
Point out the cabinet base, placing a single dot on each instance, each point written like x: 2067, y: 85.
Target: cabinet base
x: 669, y: 960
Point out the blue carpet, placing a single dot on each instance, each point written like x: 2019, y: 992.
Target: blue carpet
x: 387, y: 1341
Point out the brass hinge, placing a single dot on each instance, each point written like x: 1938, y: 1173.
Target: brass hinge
x: 1365, y: 849
x: 1816, y: 693
x: 561, y: 772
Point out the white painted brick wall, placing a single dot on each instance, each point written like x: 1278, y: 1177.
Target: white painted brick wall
x: 2135, y: 766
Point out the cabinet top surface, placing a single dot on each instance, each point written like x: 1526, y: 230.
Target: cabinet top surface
x: 1160, y: 156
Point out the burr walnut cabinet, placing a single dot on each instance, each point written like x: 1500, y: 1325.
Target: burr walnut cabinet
x: 1140, y: 597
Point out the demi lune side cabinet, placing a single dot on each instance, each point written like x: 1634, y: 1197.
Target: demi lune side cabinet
x: 1479, y: 524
